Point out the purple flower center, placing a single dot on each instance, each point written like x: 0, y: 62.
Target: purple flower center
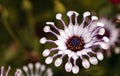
x: 75, y: 43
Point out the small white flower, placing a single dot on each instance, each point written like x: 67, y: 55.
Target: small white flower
x: 2, y: 73
x: 112, y: 34
x: 75, y: 40
x: 35, y: 70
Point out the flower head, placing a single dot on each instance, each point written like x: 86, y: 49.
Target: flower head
x: 75, y: 41
x: 7, y: 72
x: 35, y: 70
x: 111, y: 32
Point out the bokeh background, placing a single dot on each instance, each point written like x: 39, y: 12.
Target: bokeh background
x: 21, y: 27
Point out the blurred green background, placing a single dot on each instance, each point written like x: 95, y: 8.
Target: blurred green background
x: 21, y: 27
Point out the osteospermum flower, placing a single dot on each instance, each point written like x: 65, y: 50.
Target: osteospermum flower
x: 111, y: 32
x: 35, y: 70
x: 75, y: 41
x: 2, y: 73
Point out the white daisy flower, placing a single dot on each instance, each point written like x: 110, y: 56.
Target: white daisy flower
x: 2, y: 73
x: 35, y: 70
x: 111, y: 32
x: 75, y: 41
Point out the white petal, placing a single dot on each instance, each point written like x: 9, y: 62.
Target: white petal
x: 94, y: 18
x: 69, y: 31
x: 63, y: 34
x: 50, y: 23
x: 18, y: 72
x: 49, y: 72
x: 104, y: 45
x: 75, y: 30
x: 70, y: 13
x: 42, y: 68
x: 46, y: 29
x: 80, y: 30
x: 67, y: 52
x: 87, y: 38
x: 59, y: 42
x: 86, y: 35
x: 49, y: 60
x: 100, y: 56
x: 71, y: 54
x: 30, y: 65
x: 93, y: 60
x: 68, y: 67
x: 83, y: 52
x: 106, y: 39
x: 37, y: 65
x: 100, y: 24
x: 75, y: 56
x: 46, y: 52
x: 62, y: 47
x: 58, y: 16
x: 85, y: 64
x: 80, y: 53
x: 76, y: 13
x: 101, y: 31
x: 75, y: 69
x: 86, y: 14
x: 60, y: 52
x: 117, y: 50
x: 88, y: 44
x: 58, y: 62
x: 43, y: 40
x: 92, y: 26
x: 62, y: 39
x: 25, y: 68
